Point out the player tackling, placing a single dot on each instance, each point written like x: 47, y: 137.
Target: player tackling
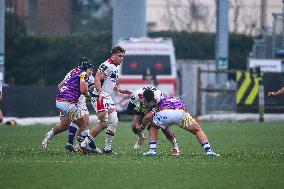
x: 172, y: 111
x: 143, y: 112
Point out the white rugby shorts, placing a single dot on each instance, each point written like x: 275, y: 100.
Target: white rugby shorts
x: 168, y: 117
x: 72, y: 111
x: 106, y: 103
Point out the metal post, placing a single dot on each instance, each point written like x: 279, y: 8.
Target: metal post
x: 2, y: 36
x: 263, y: 16
x: 261, y: 100
x: 282, y: 17
x: 258, y: 78
x: 129, y: 19
x: 222, y: 39
x: 274, y: 35
x: 198, y: 93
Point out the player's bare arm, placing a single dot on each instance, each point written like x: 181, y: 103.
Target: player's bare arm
x: 98, y: 85
x: 60, y: 84
x: 122, y: 91
x: 83, y: 87
x: 278, y: 93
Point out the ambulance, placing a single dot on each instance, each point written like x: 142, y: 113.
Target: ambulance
x: 147, y: 62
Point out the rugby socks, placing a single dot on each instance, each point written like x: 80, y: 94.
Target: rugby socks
x: 50, y: 135
x: 89, y: 140
x: 206, y: 146
x: 174, y: 142
x: 153, y: 146
x: 108, y: 141
x: 72, y: 132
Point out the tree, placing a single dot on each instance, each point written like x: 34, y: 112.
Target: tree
x: 91, y: 16
x: 15, y: 30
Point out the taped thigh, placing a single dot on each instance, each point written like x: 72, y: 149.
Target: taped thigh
x: 113, y: 123
x: 187, y: 120
x: 75, y: 114
x: 103, y: 121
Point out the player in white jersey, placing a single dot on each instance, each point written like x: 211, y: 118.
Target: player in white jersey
x: 105, y: 85
x: 143, y: 113
x: 1, y: 79
x: 63, y: 126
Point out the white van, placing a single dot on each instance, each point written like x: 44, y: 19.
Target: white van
x: 147, y: 62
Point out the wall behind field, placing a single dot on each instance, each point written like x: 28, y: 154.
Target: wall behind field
x: 29, y: 101
x: 188, y: 69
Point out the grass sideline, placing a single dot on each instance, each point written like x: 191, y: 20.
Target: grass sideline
x: 252, y: 157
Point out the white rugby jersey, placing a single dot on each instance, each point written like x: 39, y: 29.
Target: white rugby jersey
x: 138, y: 96
x: 111, y: 75
x: 91, y: 80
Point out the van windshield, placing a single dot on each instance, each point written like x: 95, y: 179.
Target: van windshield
x: 138, y: 64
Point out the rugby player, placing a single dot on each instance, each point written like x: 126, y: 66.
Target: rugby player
x: 172, y: 111
x: 101, y: 98
x: 143, y: 106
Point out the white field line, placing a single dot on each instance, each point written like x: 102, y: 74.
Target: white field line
x: 136, y: 162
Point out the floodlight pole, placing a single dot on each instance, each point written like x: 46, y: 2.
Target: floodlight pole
x: 2, y: 36
x: 222, y: 40
x: 129, y: 19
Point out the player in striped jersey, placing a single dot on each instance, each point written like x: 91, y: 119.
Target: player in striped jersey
x: 70, y: 90
x: 172, y: 111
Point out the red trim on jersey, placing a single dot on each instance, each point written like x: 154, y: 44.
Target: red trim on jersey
x: 100, y: 105
x: 140, y: 96
x: 110, y: 61
x: 73, y: 70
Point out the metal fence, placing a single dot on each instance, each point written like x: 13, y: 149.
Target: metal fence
x: 278, y: 35
x: 238, y: 94
x: 214, y: 97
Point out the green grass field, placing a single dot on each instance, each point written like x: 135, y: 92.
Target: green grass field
x: 252, y: 157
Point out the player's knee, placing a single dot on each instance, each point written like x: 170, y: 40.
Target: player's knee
x: 134, y: 130
x: 113, y: 119
x: 103, y: 120
x: 113, y: 123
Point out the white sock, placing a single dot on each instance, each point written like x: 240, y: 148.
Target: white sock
x: 153, y: 146
x: 109, y: 136
x: 108, y: 142
x: 86, y: 141
x: 50, y: 135
x: 174, y: 142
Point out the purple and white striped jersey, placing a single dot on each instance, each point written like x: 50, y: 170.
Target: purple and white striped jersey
x: 171, y: 103
x: 70, y: 91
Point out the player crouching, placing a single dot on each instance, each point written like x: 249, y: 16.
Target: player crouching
x: 173, y: 111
